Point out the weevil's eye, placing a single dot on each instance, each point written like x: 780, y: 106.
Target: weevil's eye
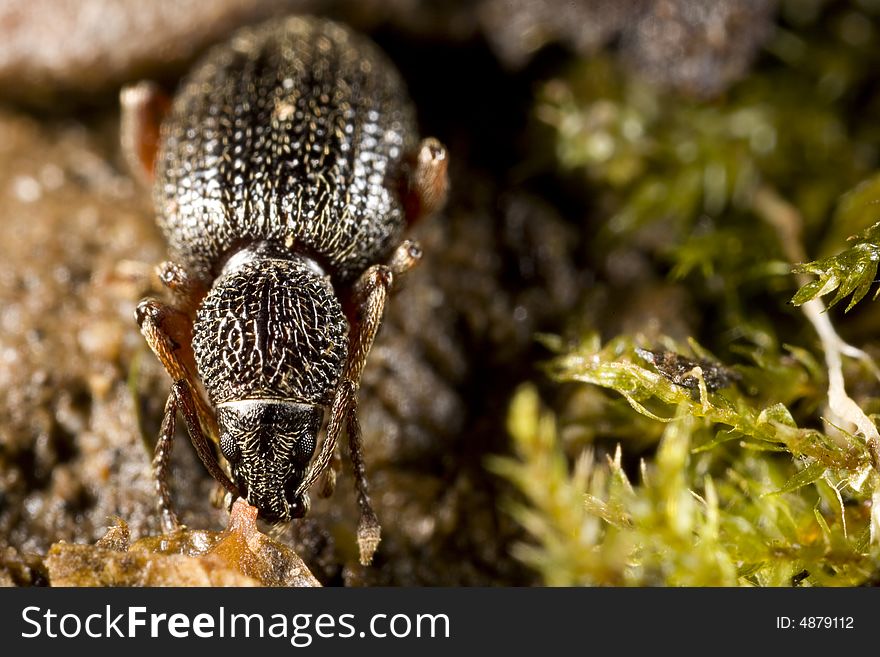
x: 230, y: 448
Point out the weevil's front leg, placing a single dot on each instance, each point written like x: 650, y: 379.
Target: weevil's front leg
x: 144, y: 105
x: 343, y: 399
x: 369, y: 531
x: 370, y: 295
x: 371, y: 292
x: 181, y: 399
x: 168, y: 332
x: 183, y: 395
x: 343, y: 414
x: 161, y: 460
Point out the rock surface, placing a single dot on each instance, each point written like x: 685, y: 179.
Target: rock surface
x: 238, y: 556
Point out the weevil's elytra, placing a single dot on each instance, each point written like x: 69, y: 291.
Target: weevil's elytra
x: 286, y: 133
x: 287, y: 170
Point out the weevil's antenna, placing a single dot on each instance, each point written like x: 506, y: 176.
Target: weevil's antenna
x: 342, y: 401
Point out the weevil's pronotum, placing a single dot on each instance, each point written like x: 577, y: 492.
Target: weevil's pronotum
x: 285, y: 172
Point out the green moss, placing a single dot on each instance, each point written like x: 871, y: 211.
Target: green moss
x: 735, y: 494
x: 650, y: 462
x: 851, y: 272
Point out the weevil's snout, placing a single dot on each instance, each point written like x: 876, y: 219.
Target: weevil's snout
x: 269, y: 445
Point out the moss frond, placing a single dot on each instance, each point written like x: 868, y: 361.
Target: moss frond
x: 736, y: 493
x: 851, y: 272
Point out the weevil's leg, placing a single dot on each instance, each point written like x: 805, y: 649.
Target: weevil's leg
x: 370, y: 294
x: 133, y: 278
x: 144, y: 105
x: 369, y: 297
x: 427, y: 180
x: 404, y: 259
x: 188, y: 291
x: 369, y: 532
x: 183, y: 395
x: 343, y: 413
x: 161, y: 459
x: 343, y: 399
x: 168, y: 331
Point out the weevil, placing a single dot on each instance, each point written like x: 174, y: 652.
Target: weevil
x: 285, y: 172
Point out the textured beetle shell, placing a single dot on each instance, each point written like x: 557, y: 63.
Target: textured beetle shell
x: 271, y: 329
x: 293, y: 132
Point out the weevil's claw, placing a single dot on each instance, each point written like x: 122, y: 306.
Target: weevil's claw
x: 369, y: 535
x: 168, y: 521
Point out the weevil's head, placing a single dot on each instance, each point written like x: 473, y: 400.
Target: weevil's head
x: 268, y: 445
